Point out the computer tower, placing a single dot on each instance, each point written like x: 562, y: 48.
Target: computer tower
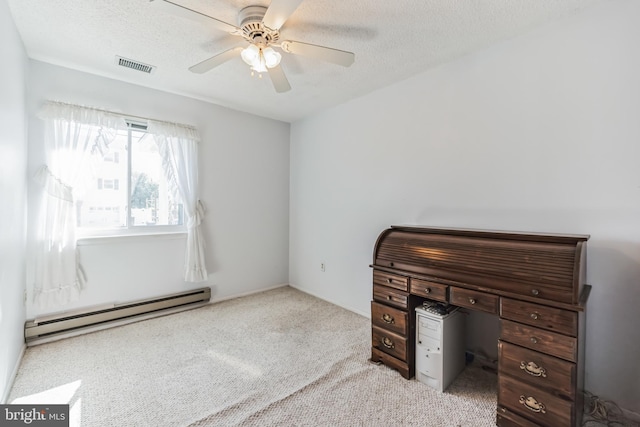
x: 440, y: 347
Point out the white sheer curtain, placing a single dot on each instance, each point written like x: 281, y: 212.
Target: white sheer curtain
x: 72, y: 135
x: 178, y: 146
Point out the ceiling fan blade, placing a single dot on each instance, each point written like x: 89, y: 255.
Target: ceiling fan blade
x: 211, y: 63
x: 335, y: 56
x: 278, y: 12
x: 185, y: 12
x: 279, y: 80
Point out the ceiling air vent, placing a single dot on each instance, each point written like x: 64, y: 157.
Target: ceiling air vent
x: 135, y: 65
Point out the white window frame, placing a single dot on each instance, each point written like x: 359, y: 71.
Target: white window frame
x: 84, y: 233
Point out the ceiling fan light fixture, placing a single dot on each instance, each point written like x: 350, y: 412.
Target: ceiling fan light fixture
x: 259, y: 66
x: 260, y: 27
x: 259, y: 59
x: 271, y: 57
x: 251, y: 55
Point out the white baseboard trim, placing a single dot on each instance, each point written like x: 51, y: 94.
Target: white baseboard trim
x: 351, y: 309
x: 12, y: 377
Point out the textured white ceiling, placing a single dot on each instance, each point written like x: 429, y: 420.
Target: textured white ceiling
x: 392, y: 40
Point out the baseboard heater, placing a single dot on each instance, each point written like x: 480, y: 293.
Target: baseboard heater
x: 63, y: 325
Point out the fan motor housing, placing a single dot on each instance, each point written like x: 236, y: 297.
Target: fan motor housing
x: 253, y: 30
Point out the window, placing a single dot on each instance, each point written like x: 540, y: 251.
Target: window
x: 70, y: 172
x: 112, y: 157
x: 108, y: 184
x: 129, y: 190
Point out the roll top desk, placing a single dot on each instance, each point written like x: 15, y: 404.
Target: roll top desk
x: 534, y: 282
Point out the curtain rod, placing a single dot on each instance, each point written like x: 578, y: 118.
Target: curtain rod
x: 129, y: 116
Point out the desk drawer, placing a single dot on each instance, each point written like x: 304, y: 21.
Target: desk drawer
x: 474, y: 300
x: 390, y: 296
x: 540, y: 407
x: 540, y: 292
x: 391, y: 280
x: 537, y: 369
x: 390, y: 343
x: 389, y: 318
x: 540, y: 340
x: 431, y: 290
x: 553, y: 319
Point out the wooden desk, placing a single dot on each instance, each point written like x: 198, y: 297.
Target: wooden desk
x: 533, y: 281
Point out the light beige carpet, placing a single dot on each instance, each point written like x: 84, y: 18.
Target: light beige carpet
x: 279, y: 358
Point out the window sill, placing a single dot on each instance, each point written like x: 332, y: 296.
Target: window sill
x: 123, y: 238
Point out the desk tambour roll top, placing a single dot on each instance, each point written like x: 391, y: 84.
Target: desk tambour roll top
x: 530, y: 265
x: 533, y: 282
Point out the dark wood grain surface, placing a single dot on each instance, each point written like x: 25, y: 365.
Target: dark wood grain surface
x: 562, y: 346
x: 556, y: 376
x: 535, y: 282
x: 553, y: 319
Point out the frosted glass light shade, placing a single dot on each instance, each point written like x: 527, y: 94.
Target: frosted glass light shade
x: 259, y: 65
x: 260, y: 59
x: 251, y: 55
x: 271, y: 57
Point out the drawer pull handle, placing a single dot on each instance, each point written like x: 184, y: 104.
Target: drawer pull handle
x: 533, y: 369
x: 427, y: 290
x: 390, y: 264
x: 389, y: 297
x: 535, y: 316
x: 387, y: 342
x: 532, y: 404
x: 390, y: 280
x: 472, y: 300
x: 535, y: 292
x: 386, y: 318
x: 534, y: 340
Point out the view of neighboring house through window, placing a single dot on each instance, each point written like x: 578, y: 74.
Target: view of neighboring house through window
x: 128, y: 189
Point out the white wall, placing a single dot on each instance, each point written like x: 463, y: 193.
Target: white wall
x: 244, y: 172
x: 13, y: 188
x: 540, y: 133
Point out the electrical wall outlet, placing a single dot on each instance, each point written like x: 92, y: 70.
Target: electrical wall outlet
x: 322, y: 267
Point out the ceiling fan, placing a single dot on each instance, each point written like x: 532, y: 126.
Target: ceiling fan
x: 260, y: 27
